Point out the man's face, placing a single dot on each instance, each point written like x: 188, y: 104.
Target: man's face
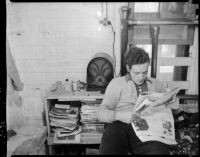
x: 138, y: 72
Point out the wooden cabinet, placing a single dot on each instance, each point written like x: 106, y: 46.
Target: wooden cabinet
x: 75, y: 99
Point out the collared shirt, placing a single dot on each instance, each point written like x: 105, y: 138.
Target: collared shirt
x: 121, y: 95
x: 140, y: 88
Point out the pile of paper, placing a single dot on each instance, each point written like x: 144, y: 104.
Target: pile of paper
x: 92, y: 129
x: 64, y: 121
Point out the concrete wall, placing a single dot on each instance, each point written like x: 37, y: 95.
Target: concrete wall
x: 54, y: 41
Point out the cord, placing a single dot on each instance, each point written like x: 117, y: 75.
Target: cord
x: 113, y: 48
x: 107, y: 22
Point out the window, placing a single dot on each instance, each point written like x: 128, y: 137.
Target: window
x: 146, y: 7
x: 169, y: 73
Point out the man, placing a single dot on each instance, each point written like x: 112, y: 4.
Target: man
x: 116, y: 108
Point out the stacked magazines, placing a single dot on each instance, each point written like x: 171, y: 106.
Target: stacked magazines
x: 92, y: 129
x: 64, y: 122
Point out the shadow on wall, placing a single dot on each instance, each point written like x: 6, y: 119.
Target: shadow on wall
x: 14, y: 116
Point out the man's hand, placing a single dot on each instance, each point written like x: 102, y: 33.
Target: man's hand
x: 155, y: 96
x: 139, y: 122
x: 124, y: 116
x: 148, y: 111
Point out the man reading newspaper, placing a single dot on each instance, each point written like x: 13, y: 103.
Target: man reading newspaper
x: 137, y: 109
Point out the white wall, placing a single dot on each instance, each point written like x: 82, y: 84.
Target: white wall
x: 54, y: 41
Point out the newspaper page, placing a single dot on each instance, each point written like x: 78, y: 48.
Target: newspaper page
x: 158, y: 126
x: 67, y: 139
x: 153, y: 120
x: 153, y: 99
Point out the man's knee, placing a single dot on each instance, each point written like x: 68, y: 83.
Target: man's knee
x: 115, y: 139
x: 115, y: 131
x: 159, y: 148
x: 152, y: 147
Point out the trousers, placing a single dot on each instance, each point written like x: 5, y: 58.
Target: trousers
x: 120, y: 138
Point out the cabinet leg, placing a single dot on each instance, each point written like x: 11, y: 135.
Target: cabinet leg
x: 51, y: 152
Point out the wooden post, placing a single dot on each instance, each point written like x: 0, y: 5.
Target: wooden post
x: 154, y: 31
x: 124, y: 36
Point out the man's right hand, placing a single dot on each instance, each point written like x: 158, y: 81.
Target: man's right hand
x: 124, y: 116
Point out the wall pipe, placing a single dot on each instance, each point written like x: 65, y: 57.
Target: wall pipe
x: 124, y: 37
x: 154, y: 31
x: 172, y: 22
x: 188, y: 97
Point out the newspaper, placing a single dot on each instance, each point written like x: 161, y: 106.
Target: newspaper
x: 68, y: 133
x: 154, y: 100
x: 67, y: 139
x: 152, y: 120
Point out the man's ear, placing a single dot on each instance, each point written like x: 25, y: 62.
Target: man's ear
x: 127, y: 68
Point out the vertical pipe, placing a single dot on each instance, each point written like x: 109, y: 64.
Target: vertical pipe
x: 154, y: 31
x: 124, y: 36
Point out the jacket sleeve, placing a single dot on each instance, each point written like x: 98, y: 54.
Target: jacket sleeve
x: 105, y: 112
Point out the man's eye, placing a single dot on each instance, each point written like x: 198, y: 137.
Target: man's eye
x: 137, y: 73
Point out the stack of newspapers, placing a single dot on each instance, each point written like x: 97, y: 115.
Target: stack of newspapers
x: 153, y: 119
x: 92, y: 129
x: 64, y: 122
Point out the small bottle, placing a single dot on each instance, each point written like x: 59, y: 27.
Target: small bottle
x: 74, y: 86
x: 68, y: 86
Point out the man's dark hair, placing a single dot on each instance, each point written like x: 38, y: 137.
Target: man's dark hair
x: 136, y: 55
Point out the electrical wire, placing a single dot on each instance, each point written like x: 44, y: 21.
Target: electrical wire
x: 113, y: 48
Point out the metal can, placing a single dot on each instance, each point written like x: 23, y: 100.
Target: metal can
x: 74, y: 86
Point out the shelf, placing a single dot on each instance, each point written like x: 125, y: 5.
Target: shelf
x: 188, y: 97
x: 84, y: 139
x: 76, y: 96
x: 80, y: 97
x: 163, y: 22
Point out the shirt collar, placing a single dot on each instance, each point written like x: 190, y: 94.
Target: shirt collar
x: 128, y: 78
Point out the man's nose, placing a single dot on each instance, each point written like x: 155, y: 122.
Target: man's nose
x: 141, y: 76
